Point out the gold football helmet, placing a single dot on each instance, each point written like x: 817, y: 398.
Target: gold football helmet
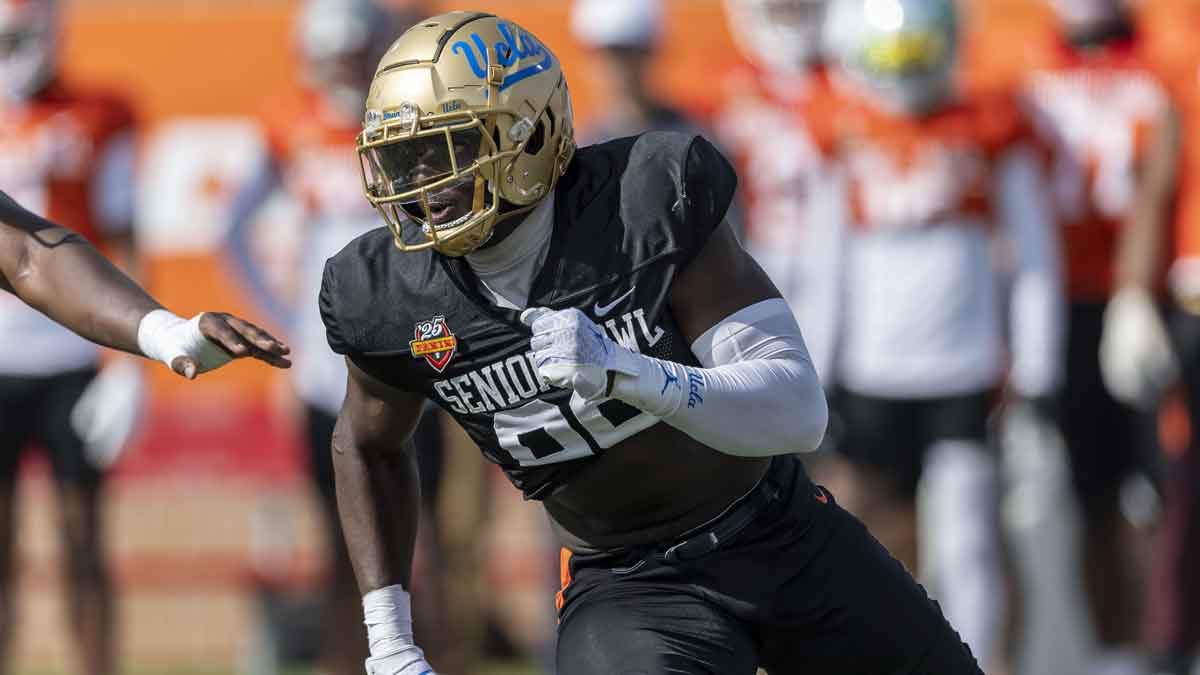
x: 468, y: 122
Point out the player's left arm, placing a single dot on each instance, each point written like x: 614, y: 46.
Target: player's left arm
x: 756, y: 394
x: 57, y: 272
x: 1136, y: 356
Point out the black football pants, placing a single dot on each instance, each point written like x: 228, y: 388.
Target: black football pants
x: 800, y: 588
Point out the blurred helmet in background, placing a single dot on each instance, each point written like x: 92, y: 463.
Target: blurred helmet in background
x: 1084, y: 16
x: 468, y: 121
x: 29, y: 36
x: 779, y: 35
x: 899, y: 54
x: 617, y: 24
x: 340, y: 42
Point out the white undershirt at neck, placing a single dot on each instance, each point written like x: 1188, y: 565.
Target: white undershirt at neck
x: 507, y: 269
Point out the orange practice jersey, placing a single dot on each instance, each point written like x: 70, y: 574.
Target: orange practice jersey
x: 53, y: 152
x: 68, y: 156
x: 313, y: 151
x: 764, y: 126
x: 1098, y: 109
x: 1171, y: 30
x: 791, y: 199
x: 314, y: 148
x: 917, y: 172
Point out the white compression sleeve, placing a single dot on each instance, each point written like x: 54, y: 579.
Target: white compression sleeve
x: 757, y: 394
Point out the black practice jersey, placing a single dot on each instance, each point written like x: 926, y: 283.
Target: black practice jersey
x: 628, y: 217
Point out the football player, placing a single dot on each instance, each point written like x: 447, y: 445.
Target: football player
x: 591, y: 321
x: 939, y: 183
x: 1116, y: 136
x: 310, y: 161
x: 68, y: 155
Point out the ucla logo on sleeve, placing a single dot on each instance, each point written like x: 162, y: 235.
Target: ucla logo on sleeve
x: 516, y: 46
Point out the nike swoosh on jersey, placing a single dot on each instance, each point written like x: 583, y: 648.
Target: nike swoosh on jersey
x: 603, y: 310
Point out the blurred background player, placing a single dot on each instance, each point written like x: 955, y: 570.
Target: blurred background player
x: 68, y: 155
x: 310, y: 175
x: 947, y: 209
x: 1115, y: 133
x: 1172, y: 630
x: 792, y: 197
x: 622, y: 37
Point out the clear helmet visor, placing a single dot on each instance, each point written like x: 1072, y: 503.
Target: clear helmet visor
x: 908, y: 72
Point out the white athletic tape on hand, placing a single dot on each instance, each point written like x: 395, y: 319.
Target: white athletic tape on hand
x: 163, y: 336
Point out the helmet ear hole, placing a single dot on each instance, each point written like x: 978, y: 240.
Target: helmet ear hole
x: 537, y: 140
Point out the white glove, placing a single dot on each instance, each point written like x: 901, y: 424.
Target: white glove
x: 387, y: 613
x: 108, y: 411
x: 1136, y: 357
x: 572, y: 352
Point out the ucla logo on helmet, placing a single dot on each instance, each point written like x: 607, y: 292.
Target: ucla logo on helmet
x: 516, y: 46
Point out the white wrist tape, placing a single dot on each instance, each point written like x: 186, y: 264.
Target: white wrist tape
x: 163, y: 336
x: 757, y: 396
x: 387, y: 613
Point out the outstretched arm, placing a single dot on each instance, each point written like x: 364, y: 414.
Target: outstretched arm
x: 379, y: 502
x: 57, y: 272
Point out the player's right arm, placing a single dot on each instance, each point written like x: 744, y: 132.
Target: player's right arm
x: 379, y: 502
x: 57, y: 272
x: 378, y: 494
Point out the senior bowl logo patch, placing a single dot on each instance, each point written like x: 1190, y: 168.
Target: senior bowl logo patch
x: 433, y: 341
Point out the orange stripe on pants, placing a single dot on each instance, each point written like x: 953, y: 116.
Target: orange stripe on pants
x: 564, y: 576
